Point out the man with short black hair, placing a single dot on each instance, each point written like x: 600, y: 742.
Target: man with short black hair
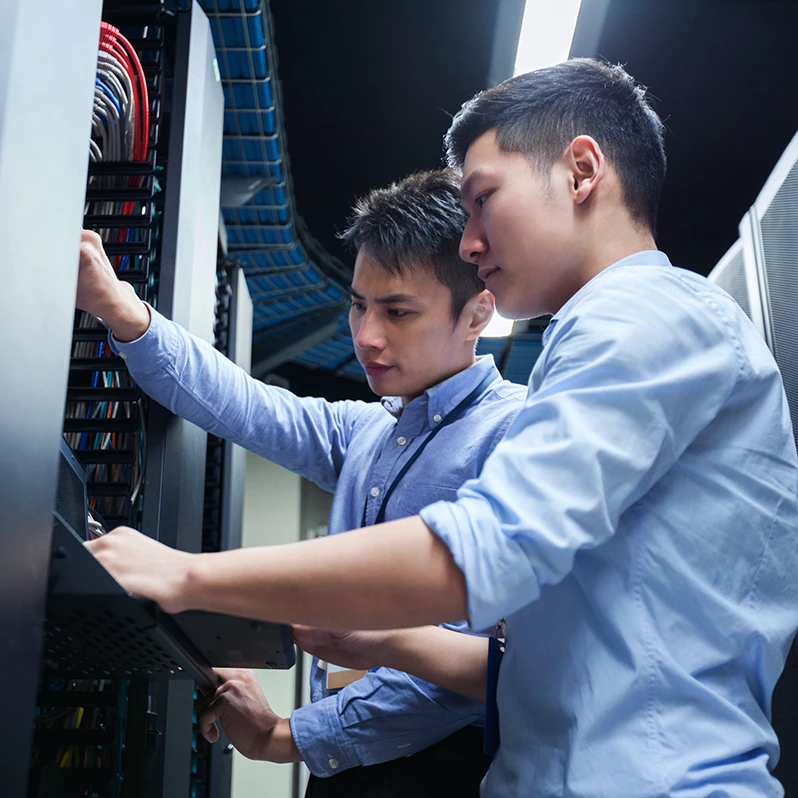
x: 638, y: 525
x: 416, y: 314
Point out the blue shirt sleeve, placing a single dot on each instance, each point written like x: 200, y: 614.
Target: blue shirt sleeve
x: 189, y: 377
x: 383, y: 716
x: 622, y: 388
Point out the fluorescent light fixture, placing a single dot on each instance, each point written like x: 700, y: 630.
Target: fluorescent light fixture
x: 498, y: 327
x: 546, y: 33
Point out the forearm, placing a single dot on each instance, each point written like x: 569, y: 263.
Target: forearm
x: 397, y: 575
x: 452, y: 660
x: 280, y: 745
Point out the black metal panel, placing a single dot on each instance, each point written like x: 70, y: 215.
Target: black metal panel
x: 235, y: 457
x: 172, y: 510
x: 173, y: 504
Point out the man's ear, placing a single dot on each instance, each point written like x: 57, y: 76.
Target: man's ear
x: 479, y: 312
x: 586, y: 162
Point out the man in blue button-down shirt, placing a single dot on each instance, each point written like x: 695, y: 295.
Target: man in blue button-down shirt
x: 638, y: 525
x: 416, y: 314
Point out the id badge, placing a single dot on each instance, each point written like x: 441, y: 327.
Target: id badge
x: 336, y: 678
x: 491, y: 740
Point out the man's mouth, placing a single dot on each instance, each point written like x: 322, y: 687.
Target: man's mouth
x: 486, y: 273
x: 376, y: 369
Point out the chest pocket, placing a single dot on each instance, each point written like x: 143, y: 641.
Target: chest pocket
x: 414, y: 496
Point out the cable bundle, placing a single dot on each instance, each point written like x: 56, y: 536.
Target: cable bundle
x: 121, y: 106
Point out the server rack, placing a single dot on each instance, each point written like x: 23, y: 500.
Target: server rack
x: 158, y: 214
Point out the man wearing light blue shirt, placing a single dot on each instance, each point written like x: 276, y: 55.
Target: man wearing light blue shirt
x: 638, y: 525
x: 417, y: 312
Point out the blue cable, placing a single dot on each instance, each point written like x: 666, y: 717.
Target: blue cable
x: 108, y: 93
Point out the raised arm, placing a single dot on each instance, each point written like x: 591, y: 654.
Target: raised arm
x: 193, y: 380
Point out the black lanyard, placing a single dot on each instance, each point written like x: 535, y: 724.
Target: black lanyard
x: 451, y: 417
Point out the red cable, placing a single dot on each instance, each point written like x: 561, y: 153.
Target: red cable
x: 112, y: 40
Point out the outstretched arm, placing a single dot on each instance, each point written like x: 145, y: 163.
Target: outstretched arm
x: 189, y: 377
x: 397, y: 574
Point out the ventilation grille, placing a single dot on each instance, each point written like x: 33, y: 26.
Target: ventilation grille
x: 779, y: 225
x: 730, y: 276
x: 100, y: 643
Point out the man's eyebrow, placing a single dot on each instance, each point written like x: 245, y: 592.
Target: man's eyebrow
x: 385, y: 300
x: 468, y: 183
x: 388, y: 300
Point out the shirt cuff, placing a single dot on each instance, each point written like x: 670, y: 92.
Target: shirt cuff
x: 492, y: 565
x: 320, y: 739
x: 143, y: 353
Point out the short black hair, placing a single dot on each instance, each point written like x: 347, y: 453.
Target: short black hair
x: 417, y: 224
x: 540, y: 113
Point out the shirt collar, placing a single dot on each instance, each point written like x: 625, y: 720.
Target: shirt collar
x: 648, y: 257
x: 442, y: 398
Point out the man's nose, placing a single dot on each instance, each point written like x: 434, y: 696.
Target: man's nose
x: 370, y: 334
x: 473, y: 245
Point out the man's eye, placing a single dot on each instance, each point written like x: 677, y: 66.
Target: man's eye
x: 356, y: 305
x: 398, y: 314
x: 480, y: 201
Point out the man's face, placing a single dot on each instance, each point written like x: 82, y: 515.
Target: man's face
x: 403, y: 331
x: 520, y: 232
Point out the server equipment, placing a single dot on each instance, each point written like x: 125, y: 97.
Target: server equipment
x: 128, y: 139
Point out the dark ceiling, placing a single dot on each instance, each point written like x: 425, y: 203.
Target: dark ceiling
x: 723, y: 73
x: 368, y: 90
x: 368, y: 86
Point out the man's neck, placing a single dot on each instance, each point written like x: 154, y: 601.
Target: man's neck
x: 467, y: 363
x: 604, y: 250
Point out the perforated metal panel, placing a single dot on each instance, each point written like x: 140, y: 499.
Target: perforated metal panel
x: 729, y: 274
x: 777, y: 209
x: 119, y: 638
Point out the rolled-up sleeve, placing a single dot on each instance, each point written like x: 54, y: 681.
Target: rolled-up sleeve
x: 192, y: 379
x: 616, y: 398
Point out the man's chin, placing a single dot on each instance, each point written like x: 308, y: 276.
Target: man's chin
x: 380, y: 386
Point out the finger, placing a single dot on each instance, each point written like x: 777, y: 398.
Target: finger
x: 207, y: 722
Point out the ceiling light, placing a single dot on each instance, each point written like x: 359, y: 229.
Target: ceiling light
x: 498, y: 327
x: 546, y: 33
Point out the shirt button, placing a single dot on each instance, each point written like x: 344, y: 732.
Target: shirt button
x: 437, y: 418
x: 401, y: 441
x: 333, y: 762
x: 375, y: 492
x: 123, y: 355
